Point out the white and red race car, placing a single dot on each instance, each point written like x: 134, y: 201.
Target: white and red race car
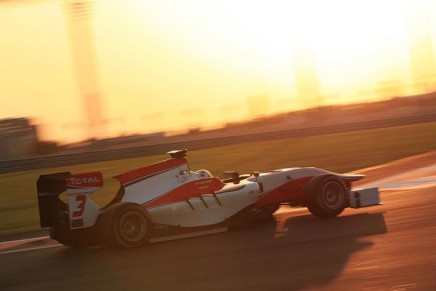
x: 167, y: 200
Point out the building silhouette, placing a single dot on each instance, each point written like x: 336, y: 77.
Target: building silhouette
x: 18, y: 138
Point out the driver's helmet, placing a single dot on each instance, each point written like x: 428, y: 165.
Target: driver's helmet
x: 204, y: 173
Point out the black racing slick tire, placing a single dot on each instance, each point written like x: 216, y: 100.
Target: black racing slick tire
x: 327, y: 196
x: 126, y: 226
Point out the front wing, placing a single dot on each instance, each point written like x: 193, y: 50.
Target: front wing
x: 364, y: 197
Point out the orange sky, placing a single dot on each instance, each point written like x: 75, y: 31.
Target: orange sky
x: 173, y: 64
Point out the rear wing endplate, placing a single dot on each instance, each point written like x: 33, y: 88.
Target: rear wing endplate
x: 49, y: 187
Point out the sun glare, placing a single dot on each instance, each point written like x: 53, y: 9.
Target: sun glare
x: 224, y: 54
x: 356, y: 41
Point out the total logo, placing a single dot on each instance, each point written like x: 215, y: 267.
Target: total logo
x: 84, y: 180
x: 89, y: 179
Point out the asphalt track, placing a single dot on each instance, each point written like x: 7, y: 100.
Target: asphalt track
x: 389, y: 247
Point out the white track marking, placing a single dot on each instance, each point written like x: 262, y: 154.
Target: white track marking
x: 26, y: 240
x: 17, y: 243
x: 30, y: 249
x: 417, y: 178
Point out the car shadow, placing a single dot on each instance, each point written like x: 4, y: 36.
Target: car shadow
x: 319, y: 249
x: 289, y: 253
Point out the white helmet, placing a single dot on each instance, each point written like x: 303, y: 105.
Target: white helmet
x: 204, y: 173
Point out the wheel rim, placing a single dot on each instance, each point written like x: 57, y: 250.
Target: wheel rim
x: 332, y: 195
x: 133, y: 226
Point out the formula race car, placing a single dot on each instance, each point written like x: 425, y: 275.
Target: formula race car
x: 167, y: 200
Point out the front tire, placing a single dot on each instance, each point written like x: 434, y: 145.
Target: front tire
x: 327, y: 196
x: 127, y: 226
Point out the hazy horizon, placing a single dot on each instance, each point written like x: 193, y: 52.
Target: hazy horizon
x: 170, y: 65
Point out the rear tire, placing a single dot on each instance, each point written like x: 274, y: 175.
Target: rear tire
x: 327, y: 196
x: 126, y: 226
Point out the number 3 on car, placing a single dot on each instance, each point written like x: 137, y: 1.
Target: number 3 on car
x: 82, y: 210
x: 80, y: 205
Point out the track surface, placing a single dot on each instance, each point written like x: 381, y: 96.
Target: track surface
x: 390, y: 247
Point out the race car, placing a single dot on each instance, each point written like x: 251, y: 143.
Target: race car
x: 166, y: 200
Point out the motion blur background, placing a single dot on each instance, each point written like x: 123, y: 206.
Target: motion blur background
x: 82, y: 70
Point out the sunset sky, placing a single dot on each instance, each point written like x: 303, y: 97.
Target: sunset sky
x: 166, y: 65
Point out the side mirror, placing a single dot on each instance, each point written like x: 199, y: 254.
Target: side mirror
x: 234, y: 176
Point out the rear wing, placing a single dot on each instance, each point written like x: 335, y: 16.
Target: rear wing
x: 80, y: 210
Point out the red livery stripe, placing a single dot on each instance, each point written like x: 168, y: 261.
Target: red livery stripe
x: 286, y: 192
x: 192, y: 189
x: 141, y: 173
